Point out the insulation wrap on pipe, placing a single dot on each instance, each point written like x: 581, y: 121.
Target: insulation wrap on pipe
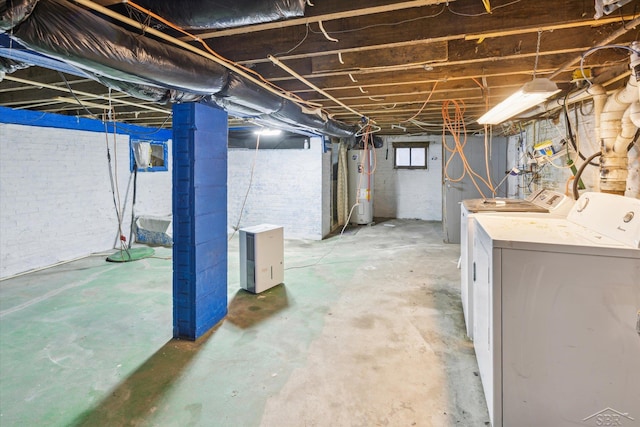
x: 247, y: 94
x: 148, y: 69
x: 634, y: 114
x: 219, y: 14
x: 616, y: 131
x: 13, y: 12
x: 58, y: 29
x: 8, y: 66
x: 148, y: 93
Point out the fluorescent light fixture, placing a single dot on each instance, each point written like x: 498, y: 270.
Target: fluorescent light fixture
x: 531, y: 94
x: 268, y: 132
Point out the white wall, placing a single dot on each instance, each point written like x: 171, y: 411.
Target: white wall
x: 56, y: 202
x: 154, y: 190
x: 408, y: 193
x: 289, y: 188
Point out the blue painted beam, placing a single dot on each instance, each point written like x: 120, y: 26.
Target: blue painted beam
x: 60, y: 121
x: 199, y: 219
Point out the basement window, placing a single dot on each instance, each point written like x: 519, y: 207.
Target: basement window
x: 149, y: 156
x: 248, y: 138
x: 410, y: 155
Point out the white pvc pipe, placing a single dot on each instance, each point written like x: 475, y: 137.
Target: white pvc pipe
x: 627, y: 132
x: 599, y: 100
x: 635, y: 114
x: 614, y: 137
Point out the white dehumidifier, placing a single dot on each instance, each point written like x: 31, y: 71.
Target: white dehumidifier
x: 261, y: 257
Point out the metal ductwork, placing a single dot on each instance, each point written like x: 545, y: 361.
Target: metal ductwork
x: 149, y: 69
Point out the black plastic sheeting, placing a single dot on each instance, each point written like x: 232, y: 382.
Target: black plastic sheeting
x: 148, y: 69
x: 67, y: 32
x: 149, y: 93
x: 12, y: 12
x: 219, y: 14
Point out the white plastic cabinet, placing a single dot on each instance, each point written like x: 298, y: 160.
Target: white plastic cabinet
x: 261, y: 257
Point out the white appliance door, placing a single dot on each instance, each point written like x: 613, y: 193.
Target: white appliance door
x: 570, y: 343
x: 466, y: 264
x: 485, y: 328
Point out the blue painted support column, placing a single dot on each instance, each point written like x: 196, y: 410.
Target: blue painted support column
x: 199, y: 219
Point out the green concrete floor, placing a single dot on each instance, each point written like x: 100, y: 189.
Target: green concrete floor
x: 367, y: 330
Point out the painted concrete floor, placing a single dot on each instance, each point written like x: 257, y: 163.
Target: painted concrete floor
x: 366, y: 331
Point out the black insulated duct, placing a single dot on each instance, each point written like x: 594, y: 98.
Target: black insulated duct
x: 8, y: 66
x: 62, y: 30
x: 148, y: 69
x: 12, y: 12
x: 219, y: 14
x: 148, y: 93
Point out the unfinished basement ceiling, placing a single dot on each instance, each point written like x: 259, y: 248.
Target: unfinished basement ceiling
x: 383, y: 59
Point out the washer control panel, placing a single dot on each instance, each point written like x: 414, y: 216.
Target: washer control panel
x: 617, y: 217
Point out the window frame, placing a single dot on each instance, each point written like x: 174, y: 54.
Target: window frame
x: 165, y: 153
x: 410, y: 146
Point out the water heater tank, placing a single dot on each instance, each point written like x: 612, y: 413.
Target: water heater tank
x: 360, y: 184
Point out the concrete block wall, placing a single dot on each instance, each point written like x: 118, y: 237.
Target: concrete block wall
x: 555, y: 175
x: 408, y: 193
x: 154, y: 189
x: 288, y: 189
x: 56, y: 202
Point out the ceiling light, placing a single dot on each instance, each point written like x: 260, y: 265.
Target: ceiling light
x: 531, y: 94
x: 268, y: 132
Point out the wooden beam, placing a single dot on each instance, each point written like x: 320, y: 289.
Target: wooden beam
x: 90, y: 95
x: 625, y: 29
x: 381, y: 58
x: 552, y: 27
x: 418, y: 26
x: 108, y: 2
x: 512, y: 66
x: 459, y: 51
x: 439, y: 71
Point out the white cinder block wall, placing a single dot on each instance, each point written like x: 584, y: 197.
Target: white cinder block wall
x: 408, y: 193
x: 56, y: 202
x: 155, y: 190
x: 555, y: 175
x: 289, y: 188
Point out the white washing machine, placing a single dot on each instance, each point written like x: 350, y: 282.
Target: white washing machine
x: 543, y: 202
x: 557, y: 315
